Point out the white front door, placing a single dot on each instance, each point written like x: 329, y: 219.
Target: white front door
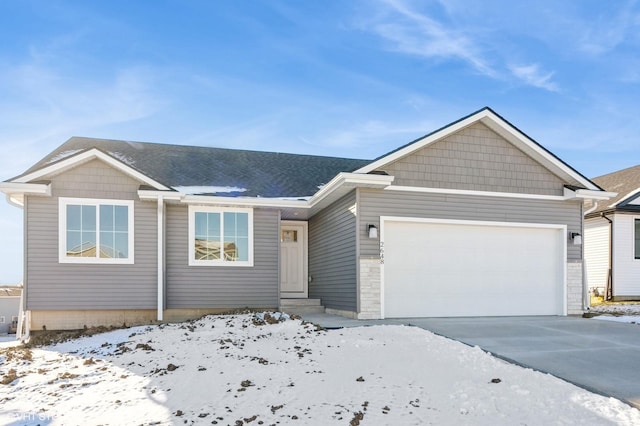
x: 293, y: 259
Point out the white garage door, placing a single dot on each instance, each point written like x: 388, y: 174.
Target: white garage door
x: 436, y: 269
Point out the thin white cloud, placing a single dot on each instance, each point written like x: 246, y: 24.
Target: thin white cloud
x: 605, y: 33
x: 46, y: 107
x: 418, y: 34
x: 533, y: 76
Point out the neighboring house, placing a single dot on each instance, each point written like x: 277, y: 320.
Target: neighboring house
x: 473, y: 219
x: 612, y: 237
x: 9, y: 308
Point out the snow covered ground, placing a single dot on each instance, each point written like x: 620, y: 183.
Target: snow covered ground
x: 236, y: 369
x: 618, y: 312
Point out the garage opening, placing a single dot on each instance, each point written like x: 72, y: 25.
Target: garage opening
x: 435, y: 268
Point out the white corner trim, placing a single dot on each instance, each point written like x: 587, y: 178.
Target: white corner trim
x: 84, y: 157
x: 475, y: 193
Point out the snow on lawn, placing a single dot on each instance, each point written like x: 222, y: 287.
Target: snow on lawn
x: 236, y: 369
x: 618, y: 312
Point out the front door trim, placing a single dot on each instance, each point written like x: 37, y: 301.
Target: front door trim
x: 304, y: 227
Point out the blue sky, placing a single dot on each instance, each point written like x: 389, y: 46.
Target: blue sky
x: 342, y: 78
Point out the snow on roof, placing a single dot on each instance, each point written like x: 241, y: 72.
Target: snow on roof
x: 196, y: 190
x: 122, y: 157
x: 62, y: 155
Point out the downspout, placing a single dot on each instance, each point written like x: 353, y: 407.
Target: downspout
x: 608, y: 294
x: 160, y: 258
x: 586, y: 302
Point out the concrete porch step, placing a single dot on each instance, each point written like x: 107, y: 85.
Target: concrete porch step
x: 301, y: 306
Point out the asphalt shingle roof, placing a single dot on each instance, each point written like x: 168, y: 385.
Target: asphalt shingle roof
x: 623, y: 182
x: 264, y: 174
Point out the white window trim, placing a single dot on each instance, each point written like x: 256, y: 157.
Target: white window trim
x: 62, y: 230
x: 192, y: 231
x: 2, y: 319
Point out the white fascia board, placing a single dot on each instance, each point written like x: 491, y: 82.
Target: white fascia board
x: 243, y: 201
x: 340, y: 181
x: 152, y: 195
x: 354, y: 179
x: 26, y: 188
x: 595, y: 195
x: 496, y: 124
x: 588, y: 194
x: 84, y: 157
x: 532, y: 148
x: 476, y: 193
x: 421, y: 143
x: 15, y: 191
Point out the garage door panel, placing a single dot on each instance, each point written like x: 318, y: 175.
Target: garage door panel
x: 436, y: 269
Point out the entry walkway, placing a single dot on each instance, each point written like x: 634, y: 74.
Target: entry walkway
x: 600, y: 356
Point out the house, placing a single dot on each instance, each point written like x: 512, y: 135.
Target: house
x: 612, y: 237
x: 473, y: 219
x: 9, y: 308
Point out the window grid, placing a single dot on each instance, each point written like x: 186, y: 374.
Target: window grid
x: 96, y: 231
x: 220, y: 236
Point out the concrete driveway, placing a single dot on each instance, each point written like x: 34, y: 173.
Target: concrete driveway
x: 600, y: 356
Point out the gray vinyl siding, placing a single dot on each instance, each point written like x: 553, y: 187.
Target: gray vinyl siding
x: 375, y: 203
x: 475, y: 158
x: 9, y: 307
x: 66, y: 286
x: 223, y: 286
x: 332, y: 255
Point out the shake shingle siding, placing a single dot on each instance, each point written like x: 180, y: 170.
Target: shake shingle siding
x: 332, y: 255
x: 222, y: 286
x: 475, y: 158
x: 66, y: 286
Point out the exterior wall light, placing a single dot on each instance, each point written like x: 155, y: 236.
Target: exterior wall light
x: 372, y: 231
x: 576, y: 238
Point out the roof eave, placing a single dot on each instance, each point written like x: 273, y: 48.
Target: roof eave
x: 339, y: 186
x: 15, y: 191
x: 502, y: 127
x: 84, y: 157
x: 588, y: 194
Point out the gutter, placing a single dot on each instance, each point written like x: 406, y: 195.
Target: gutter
x: 609, y: 290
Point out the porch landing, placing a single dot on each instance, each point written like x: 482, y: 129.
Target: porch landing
x: 301, y: 306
